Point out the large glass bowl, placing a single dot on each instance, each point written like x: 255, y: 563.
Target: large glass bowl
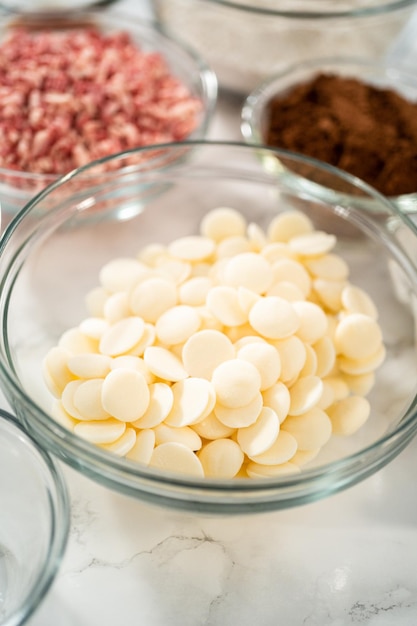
x: 246, y: 41
x: 381, y: 75
x: 50, y: 259
x: 34, y: 522
x: 17, y: 187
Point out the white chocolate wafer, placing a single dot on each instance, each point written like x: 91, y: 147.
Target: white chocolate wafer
x: 121, y: 274
x: 265, y: 358
x: 256, y: 470
x: 106, y: 431
x: 125, y: 394
x: 161, y: 400
x: 293, y: 356
x: 278, y: 398
x: 222, y: 222
x: 313, y: 321
x: 177, y: 324
x: 194, y: 290
x: 89, y: 365
x: 221, y: 458
x: 315, y: 243
x: 204, y: 351
x: 349, y: 414
x: 122, y: 336
x: 177, y: 458
x: 56, y: 371
x: 183, y: 434
x: 87, y: 399
x: 329, y: 266
x: 289, y: 224
x: 311, y: 430
x: 116, y: 307
x: 242, y: 416
x: 355, y: 367
x: 76, y: 342
x: 282, y: 450
x: 305, y: 394
x: 257, y: 438
x: 236, y: 383
x: 194, y: 399
x: 192, y: 248
x: 356, y: 300
x: 274, y: 318
x: 293, y: 272
x: 223, y: 302
x: 164, y: 364
x: 94, y: 327
x: 152, y: 297
x: 358, y: 336
x: 123, y: 445
x: 230, y: 246
x: 142, y: 449
x: 212, y: 428
x: 248, y: 270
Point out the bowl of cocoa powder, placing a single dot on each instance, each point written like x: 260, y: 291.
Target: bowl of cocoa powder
x: 357, y: 115
x: 81, y: 87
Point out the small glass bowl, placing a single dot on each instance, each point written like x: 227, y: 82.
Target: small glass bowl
x: 50, y: 260
x: 254, y: 115
x: 34, y: 522
x: 18, y: 187
x: 246, y: 41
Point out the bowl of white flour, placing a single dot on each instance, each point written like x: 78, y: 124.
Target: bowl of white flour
x: 244, y: 41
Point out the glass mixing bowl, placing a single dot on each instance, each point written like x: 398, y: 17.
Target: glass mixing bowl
x: 51, y: 259
x: 246, y: 41
x: 255, y: 114
x: 34, y: 522
x: 18, y: 186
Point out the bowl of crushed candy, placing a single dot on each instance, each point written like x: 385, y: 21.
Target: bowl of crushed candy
x: 235, y: 344
x: 78, y: 87
x: 353, y: 113
x: 245, y: 41
x: 34, y: 522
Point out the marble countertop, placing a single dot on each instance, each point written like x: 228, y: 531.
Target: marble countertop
x: 347, y: 560
x: 350, y: 559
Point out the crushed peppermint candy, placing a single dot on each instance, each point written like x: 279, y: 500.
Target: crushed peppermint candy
x: 72, y: 96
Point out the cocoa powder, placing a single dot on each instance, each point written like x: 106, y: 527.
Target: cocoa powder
x: 367, y: 131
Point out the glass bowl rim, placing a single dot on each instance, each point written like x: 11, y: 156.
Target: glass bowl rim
x: 65, y: 441
x: 59, y: 505
x: 360, y: 12
x: 56, y: 12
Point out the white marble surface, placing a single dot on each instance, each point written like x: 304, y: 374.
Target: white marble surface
x: 348, y: 560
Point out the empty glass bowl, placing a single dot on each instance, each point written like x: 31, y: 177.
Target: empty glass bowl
x: 34, y: 522
x: 51, y: 255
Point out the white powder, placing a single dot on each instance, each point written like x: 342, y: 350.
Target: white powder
x: 244, y: 48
